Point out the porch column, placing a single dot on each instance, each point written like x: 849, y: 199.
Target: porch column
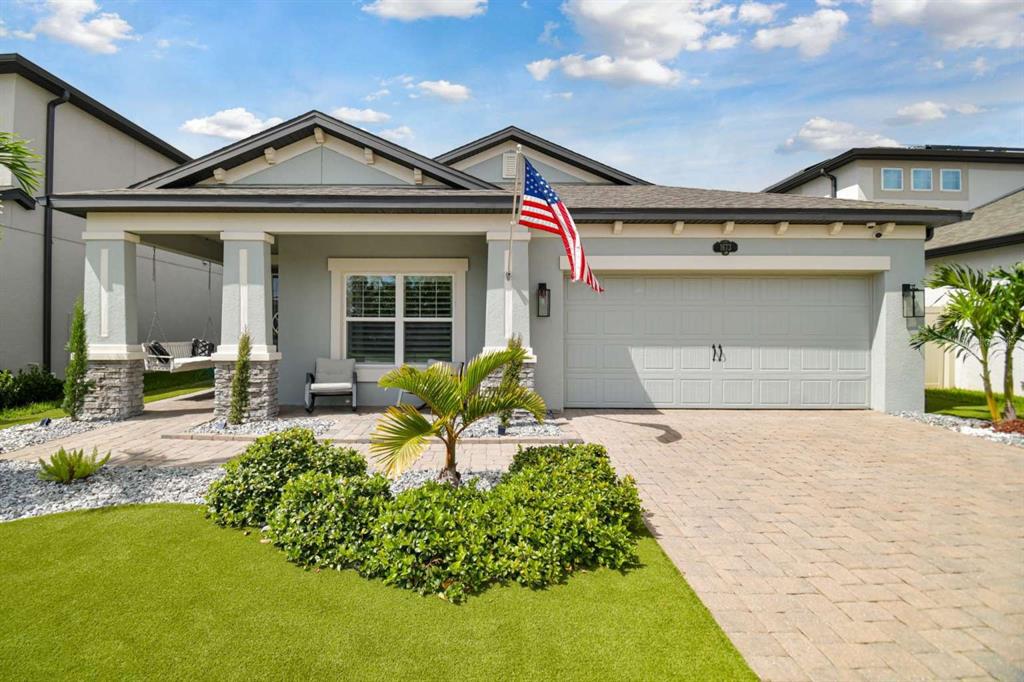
x: 246, y: 305
x: 508, y: 307
x: 116, y: 360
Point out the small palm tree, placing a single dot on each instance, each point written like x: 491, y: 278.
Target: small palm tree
x: 16, y: 157
x: 969, y: 323
x: 1009, y: 291
x: 454, y: 401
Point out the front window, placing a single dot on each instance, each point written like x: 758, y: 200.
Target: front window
x: 921, y: 179
x: 892, y: 179
x: 951, y: 180
x: 393, y: 319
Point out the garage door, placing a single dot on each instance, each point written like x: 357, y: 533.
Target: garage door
x: 719, y: 342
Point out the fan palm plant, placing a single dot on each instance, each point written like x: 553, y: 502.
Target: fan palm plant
x: 969, y: 323
x: 16, y: 157
x: 1009, y: 291
x: 455, y: 402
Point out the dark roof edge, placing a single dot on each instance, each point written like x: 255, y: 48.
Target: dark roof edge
x: 979, y: 245
x: 548, y: 147
x: 16, y: 64
x: 337, y: 128
x: 20, y: 196
x: 812, y: 172
x: 82, y: 204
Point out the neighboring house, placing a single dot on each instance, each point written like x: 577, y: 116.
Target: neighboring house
x: 93, y: 148
x: 985, y: 180
x: 385, y: 256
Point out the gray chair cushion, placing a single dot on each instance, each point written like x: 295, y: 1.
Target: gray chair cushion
x: 330, y: 371
x: 329, y: 388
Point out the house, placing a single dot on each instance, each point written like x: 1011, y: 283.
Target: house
x: 985, y: 180
x: 386, y: 256
x: 42, y: 253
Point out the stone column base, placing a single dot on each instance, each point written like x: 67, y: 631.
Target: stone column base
x: 117, y: 390
x: 526, y: 375
x: 262, y: 389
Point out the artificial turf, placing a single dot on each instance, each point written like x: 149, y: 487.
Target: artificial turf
x: 959, y: 402
x: 159, y: 592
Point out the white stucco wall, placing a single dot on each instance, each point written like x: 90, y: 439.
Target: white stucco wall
x: 89, y: 155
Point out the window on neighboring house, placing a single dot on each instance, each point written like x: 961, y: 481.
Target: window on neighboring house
x: 950, y: 180
x: 921, y: 179
x: 393, y: 319
x: 892, y: 179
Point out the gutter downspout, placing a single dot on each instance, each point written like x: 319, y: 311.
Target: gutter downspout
x: 51, y: 124
x: 834, y: 182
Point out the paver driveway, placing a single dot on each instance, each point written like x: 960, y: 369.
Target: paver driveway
x: 844, y: 545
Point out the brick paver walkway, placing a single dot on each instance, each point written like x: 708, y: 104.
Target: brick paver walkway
x: 829, y: 546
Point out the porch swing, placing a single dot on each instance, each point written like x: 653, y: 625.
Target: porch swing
x: 179, y: 356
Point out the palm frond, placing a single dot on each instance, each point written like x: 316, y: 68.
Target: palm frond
x: 482, y: 366
x: 436, y: 385
x: 957, y: 339
x: 400, y: 437
x: 498, y: 399
x: 961, y: 277
x: 16, y: 157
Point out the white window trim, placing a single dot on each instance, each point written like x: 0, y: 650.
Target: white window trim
x: 881, y: 180
x: 959, y: 172
x: 340, y: 268
x: 931, y: 176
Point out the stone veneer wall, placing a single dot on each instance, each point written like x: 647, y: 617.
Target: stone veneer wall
x: 117, y: 389
x: 262, y: 389
x: 526, y: 376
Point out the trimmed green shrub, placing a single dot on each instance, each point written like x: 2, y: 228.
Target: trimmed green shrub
x: 434, y: 539
x: 30, y: 385
x: 255, y: 479
x: 239, y: 408
x: 324, y: 520
x: 76, y: 385
x: 65, y: 466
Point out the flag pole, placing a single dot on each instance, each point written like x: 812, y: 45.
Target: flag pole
x: 508, y: 251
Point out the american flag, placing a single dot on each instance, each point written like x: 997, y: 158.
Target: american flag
x: 541, y: 209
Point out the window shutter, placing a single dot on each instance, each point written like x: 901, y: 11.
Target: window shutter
x: 508, y: 165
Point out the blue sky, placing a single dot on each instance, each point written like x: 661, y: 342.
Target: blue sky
x: 728, y: 95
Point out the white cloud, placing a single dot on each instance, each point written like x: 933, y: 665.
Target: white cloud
x: 377, y: 94
x: 453, y: 92
x: 922, y: 112
x: 758, y: 12
x: 80, y: 23
x: 353, y: 115
x: 24, y: 35
x: 813, y: 35
x: 980, y: 66
x: 723, y: 41
x: 559, y: 95
x: 825, y: 135
x: 548, y: 36
x: 646, y: 29
x: 957, y: 23
x: 231, y: 124
x: 621, y: 71
x: 411, y: 10
x: 399, y: 134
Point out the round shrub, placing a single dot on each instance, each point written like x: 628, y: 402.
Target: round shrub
x: 589, y: 459
x: 255, y: 479
x: 327, y: 520
x: 434, y: 540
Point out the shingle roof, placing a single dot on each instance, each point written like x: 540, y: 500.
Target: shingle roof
x: 998, y: 222
x: 589, y: 203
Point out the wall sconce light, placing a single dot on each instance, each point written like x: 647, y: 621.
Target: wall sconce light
x: 543, y: 300
x: 913, y: 301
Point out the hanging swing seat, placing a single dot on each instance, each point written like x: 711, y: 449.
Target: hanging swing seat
x: 174, y: 356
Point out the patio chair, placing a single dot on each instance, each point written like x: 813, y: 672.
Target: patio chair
x: 331, y: 377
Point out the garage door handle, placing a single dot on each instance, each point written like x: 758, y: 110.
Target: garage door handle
x: 721, y: 353
x: 714, y: 354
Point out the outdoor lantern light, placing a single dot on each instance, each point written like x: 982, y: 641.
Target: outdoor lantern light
x: 913, y: 301
x: 543, y: 300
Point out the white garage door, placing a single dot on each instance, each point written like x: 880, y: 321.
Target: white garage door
x: 733, y: 342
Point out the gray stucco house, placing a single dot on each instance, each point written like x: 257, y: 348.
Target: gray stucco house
x: 84, y: 145
x: 383, y: 255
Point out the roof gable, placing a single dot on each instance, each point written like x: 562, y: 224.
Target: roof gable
x: 312, y: 125
x: 575, y: 167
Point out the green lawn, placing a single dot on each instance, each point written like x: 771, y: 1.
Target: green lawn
x: 159, y: 592
x: 961, y: 403
x: 156, y: 386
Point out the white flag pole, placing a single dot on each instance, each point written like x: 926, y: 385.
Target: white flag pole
x: 516, y: 196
